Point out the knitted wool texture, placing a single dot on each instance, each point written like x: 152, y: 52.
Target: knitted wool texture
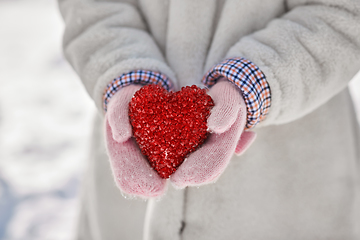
x: 227, y: 122
x: 132, y: 172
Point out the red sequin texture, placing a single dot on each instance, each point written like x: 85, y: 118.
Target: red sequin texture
x: 167, y: 125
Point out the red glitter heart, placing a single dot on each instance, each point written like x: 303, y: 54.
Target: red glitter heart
x: 168, y: 126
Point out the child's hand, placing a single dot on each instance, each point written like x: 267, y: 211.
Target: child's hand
x: 227, y: 122
x: 132, y: 172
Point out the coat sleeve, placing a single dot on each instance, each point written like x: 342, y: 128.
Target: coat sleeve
x: 104, y: 39
x: 308, y: 55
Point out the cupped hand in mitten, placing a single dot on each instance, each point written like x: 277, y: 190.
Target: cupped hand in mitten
x: 227, y: 123
x: 132, y: 172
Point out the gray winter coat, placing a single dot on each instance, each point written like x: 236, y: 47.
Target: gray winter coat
x: 301, y: 177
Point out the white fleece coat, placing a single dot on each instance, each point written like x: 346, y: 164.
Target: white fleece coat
x: 301, y: 177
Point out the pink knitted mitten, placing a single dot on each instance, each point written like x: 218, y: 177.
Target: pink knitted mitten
x: 132, y: 172
x: 227, y: 122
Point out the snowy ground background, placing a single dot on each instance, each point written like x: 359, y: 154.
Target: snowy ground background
x: 45, y: 125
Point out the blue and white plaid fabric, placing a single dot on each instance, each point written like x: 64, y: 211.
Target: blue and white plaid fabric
x: 242, y: 72
x: 251, y: 81
x: 142, y: 77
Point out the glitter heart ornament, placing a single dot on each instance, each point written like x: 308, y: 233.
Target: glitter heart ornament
x: 168, y: 126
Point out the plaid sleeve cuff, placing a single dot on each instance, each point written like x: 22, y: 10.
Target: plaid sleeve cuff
x: 251, y: 81
x: 143, y: 77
